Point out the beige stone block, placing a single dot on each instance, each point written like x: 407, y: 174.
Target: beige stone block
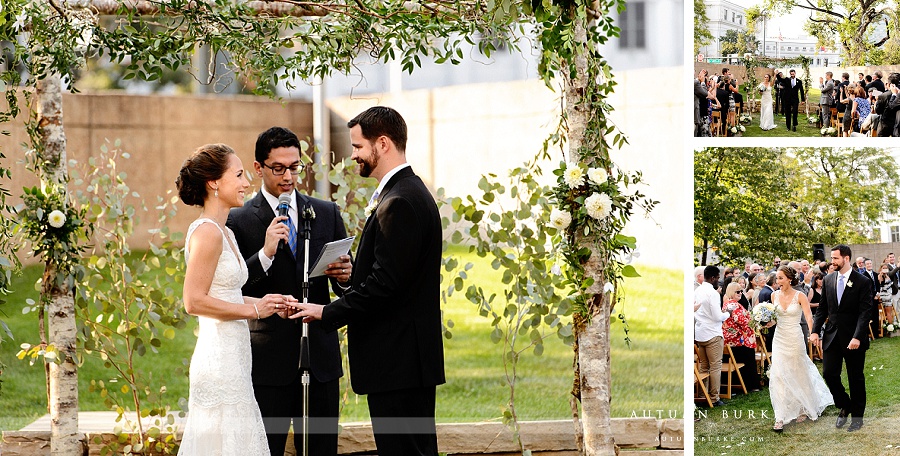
x: 25, y: 443
x: 635, y: 432
x: 671, y: 434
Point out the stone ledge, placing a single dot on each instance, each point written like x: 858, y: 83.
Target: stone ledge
x: 636, y: 436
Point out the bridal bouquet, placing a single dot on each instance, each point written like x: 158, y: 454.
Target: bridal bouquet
x: 761, y: 88
x: 762, y: 314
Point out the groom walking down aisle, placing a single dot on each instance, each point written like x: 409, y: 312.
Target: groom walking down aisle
x: 847, y: 298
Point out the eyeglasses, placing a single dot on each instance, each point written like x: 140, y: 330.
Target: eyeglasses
x: 279, y: 170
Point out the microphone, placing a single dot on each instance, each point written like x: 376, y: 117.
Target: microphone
x: 284, y: 205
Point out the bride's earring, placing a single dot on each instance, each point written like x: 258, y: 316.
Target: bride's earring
x: 217, y: 193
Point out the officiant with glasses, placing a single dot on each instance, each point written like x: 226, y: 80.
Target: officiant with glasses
x: 273, y: 247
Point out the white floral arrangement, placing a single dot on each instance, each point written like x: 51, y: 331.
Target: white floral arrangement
x: 762, y: 314
x: 812, y: 119
x: 745, y: 119
x: 828, y: 131
x: 738, y: 128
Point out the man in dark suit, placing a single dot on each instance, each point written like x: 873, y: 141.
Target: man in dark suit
x: 275, y: 266
x: 793, y: 95
x: 847, y: 301
x: 888, y: 107
x: 392, y: 310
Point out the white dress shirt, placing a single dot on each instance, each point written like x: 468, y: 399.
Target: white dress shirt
x: 385, y: 179
x: 709, y: 317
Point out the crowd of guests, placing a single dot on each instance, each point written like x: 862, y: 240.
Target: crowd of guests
x: 868, y: 106
x: 724, y: 298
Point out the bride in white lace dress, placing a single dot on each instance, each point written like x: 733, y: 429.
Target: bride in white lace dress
x: 223, y: 417
x: 766, y: 112
x: 796, y: 388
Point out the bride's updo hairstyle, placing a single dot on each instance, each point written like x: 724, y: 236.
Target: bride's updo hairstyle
x: 207, y: 163
x: 790, y: 273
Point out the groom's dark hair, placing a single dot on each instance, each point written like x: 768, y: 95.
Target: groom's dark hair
x: 710, y: 271
x: 845, y: 250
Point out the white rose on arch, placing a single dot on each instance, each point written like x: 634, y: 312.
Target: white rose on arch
x: 598, y: 205
x: 598, y: 176
x: 57, y: 219
x: 560, y: 219
x: 574, y: 176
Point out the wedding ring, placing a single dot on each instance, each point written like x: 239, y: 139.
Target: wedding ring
x: 343, y: 271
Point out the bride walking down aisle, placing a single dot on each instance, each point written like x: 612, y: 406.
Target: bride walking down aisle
x: 796, y: 389
x: 766, y: 113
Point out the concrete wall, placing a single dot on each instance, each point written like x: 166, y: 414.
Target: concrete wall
x: 159, y: 132
x: 456, y: 134
x: 490, y: 128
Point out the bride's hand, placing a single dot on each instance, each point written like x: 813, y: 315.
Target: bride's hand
x: 271, y: 304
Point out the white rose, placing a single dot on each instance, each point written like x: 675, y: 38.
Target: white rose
x: 574, y: 176
x: 560, y: 219
x: 57, y: 219
x: 598, y: 175
x: 598, y: 205
x: 19, y: 24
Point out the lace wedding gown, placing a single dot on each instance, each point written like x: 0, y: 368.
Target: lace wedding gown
x: 766, y: 115
x: 795, y: 386
x: 223, y: 417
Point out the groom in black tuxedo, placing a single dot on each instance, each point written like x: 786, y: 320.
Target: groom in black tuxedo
x: 274, y: 267
x: 793, y: 94
x: 847, y: 297
x: 392, y: 311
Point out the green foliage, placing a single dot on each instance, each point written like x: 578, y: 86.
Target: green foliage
x: 9, y: 262
x: 129, y: 305
x: 742, y: 43
x: 855, y: 24
x: 702, y: 36
x: 509, y: 223
x: 759, y: 202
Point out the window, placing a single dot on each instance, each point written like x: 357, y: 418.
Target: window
x: 633, y: 27
x: 895, y: 233
x: 876, y: 234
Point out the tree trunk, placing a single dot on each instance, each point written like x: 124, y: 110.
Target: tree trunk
x: 593, y: 335
x: 65, y: 440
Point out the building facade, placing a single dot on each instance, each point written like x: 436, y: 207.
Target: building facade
x: 777, y: 46
x: 723, y: 16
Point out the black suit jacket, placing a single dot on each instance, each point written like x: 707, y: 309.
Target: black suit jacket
x: 393, y: 313
x: 275, y: 342
x: 848, y: 320
x: 793, y: 94
x: 888, y: 107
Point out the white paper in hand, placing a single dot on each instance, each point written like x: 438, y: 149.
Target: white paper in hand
x: 331, y: 253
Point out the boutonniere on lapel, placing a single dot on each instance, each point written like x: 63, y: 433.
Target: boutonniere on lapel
x: 371, y: 208
x: 308, y: 213
x: 849, y: 284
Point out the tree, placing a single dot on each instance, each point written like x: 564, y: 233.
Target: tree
x: 742, y: 204
x: 741, y: 43
x: 702, y: 36
x: 853, y: 23
x: 844, y: 191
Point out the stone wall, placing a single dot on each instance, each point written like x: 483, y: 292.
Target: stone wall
x: 159, y: 132
x: 456, y: 134
x: 636, y: 436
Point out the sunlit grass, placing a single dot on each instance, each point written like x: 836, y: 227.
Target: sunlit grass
x: 646, y: 376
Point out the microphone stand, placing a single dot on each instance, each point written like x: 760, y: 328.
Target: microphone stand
x: 306, y: 216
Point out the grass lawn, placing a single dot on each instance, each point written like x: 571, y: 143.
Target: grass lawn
x: 646, y: 376
x: 716, y: 434
x: 804, y: 129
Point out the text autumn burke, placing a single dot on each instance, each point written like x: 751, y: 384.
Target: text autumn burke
x: 734, y: 414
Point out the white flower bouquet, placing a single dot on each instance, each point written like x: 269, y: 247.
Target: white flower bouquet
x: 762, y: 314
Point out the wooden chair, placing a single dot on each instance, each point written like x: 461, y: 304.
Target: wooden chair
x: 763, y: 355
x: 840, y: 125
x: 715, y: 124
x: 700, y: 390
x: 813, y: 350
x: 730, y: 368
x: 835, y: 123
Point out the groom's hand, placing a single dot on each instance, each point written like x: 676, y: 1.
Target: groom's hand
x: 814, y: 339
x: 308, y: 312
x: 854, y: 344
